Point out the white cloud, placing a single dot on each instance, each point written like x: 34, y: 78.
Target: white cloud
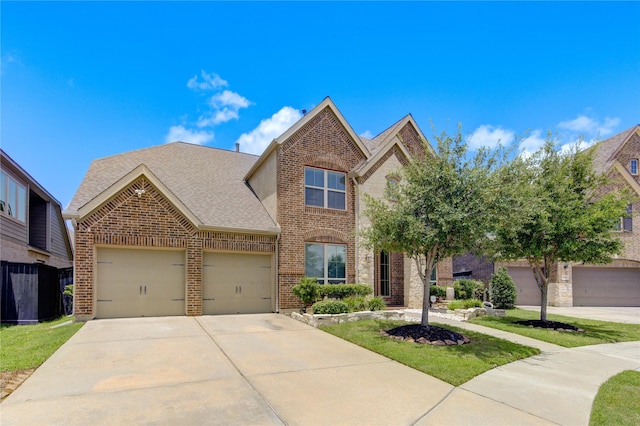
x: 209, y: 82
x: 255, y: 141
x: 490, y: 136
x: 531, y: 143
x: 229, y: 99
x: 180, y: 133
x: 588, y: 126
x: 367, y: 134
x: 217, y: 117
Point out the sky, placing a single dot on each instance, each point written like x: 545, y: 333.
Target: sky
x: 86, y: 80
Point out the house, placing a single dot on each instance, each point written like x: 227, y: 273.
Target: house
x: 36, y: 251
x: 613, y: 284
x: 182, y: 229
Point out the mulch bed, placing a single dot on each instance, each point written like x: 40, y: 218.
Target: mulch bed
x: 558, y: 326
x: 426, y: 335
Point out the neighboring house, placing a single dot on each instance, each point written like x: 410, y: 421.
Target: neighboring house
x: 185, y: 229
x: 32, y: 229
x: 613, y: 284
x: 35, y: 248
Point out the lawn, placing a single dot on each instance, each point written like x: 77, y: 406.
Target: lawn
x: 618, y: 401
x: 596, y: 332
x: 27, y: 346
x: 452, y: 364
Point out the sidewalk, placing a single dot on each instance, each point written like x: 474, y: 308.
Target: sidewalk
x: 557, y: 387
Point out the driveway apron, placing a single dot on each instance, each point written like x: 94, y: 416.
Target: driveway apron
x: 245, y: 369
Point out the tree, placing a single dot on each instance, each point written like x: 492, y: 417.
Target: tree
x: 442, y: 205
x: 558, y: 210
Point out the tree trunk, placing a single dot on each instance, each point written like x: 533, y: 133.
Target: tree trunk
x: 425, y: 303
x: 543, y: 284
x: 424, y: 270
x: 544, y: 291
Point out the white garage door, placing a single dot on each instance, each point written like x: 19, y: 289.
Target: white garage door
x: 236, y: 283
x: 606, y: 286
x: 527, y: 289
x: 135, y: 283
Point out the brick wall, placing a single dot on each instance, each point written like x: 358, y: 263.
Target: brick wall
x: 150, y: 221
x: 323, y: 143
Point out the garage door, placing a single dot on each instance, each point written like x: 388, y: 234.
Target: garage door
x: 135, y: 283
x: 236, y: 283
x: 606, y: 286
x: 526, y: 286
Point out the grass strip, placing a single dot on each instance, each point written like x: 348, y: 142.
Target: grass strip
x: 28, y: 346
x: 595, y: 332
x: 617, y: 401
x: 452, y: 364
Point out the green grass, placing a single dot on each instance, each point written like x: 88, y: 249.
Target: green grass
x: 452, y: 364
x: 618, y: 401
x: 27, y: 346
x: 596, y: 332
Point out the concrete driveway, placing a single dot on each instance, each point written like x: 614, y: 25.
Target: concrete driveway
x: 627, y: 315
x: 243, y: 369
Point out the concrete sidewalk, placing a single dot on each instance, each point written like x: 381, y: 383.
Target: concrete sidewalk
x: 271, y: 369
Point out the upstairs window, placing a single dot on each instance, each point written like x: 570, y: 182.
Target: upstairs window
x: 634, y: 166
x: 392, y: 187
x: 13, y: 198
x: 324, y: 188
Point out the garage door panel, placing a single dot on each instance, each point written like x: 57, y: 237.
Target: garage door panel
x: 139, y: 282
x: 527, y: 289
x: 606, y: 286
x: 236, y: 283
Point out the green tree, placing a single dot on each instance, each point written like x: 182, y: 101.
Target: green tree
x: 443, y: 204
x: 559, y: 209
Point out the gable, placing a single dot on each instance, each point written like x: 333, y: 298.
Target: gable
x: 138, y: 209
x: 412, y: 140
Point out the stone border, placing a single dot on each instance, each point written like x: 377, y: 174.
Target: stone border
x: 316, y: 320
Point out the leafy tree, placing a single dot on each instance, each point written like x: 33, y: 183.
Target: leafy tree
x: 558, y: 210
x: 442, y: 205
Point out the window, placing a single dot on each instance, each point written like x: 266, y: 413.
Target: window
x: 324, y: 188
x: 392, y: 186
x: 433, y: 279
x: 13, y: 198
x: 625, y: 223
x: 634, y: 166
x: 326, y: 262
x: 385, y: 281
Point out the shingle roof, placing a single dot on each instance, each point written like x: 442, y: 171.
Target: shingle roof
x: 208, y: 181
x: 374, y: 144
x: 604, y: 155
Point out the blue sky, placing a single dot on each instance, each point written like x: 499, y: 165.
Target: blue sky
x: 85, y: 80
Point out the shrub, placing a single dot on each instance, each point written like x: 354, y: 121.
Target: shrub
x: 468, y: 289
x: 330, y: 307
x: 502, y: 290
x: 376, y: 304
x: 307, y: 291
x: 356, y: 303
x: 464, y: 304
x: 438, y: 291
x: 341, y: 291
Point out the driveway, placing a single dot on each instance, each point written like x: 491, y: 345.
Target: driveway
x: 241, y: 369
x: 627, y: 315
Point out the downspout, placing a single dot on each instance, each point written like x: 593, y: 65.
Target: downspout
x: 277, y: 273
x: 356, y: 237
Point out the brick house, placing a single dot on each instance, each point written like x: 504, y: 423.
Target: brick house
x: 613, y: 284
x: 185, y: 229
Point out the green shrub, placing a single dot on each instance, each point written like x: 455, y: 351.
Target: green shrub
x: 502, y: 290
x: 356, y: 303
x: 438, y: 291
x: 308, y: 291
x: 376, y: 304
x: 330, y: 307
x: 468, y: 289
x: 341, y: 291
x: 464, y: 304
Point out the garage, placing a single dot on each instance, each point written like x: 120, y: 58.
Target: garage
x: 139, y: 283
x: 527, y: 289
x: 236, y: 283
x: 606, y: 286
